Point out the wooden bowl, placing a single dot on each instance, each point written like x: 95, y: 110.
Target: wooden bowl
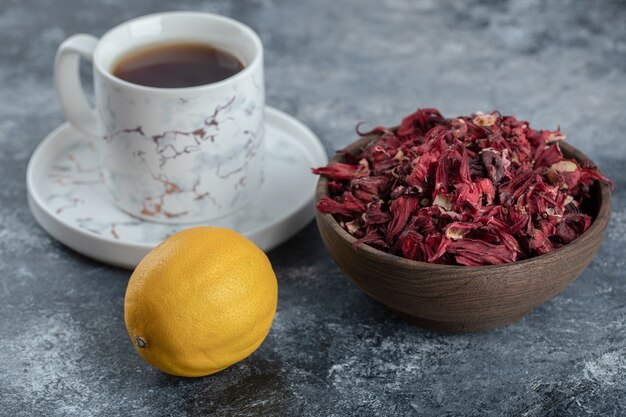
x: 464, y: 298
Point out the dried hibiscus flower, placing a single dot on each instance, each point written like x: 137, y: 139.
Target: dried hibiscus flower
x: 483, y: 189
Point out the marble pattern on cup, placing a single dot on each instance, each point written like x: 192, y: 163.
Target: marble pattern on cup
x: 218, y: 146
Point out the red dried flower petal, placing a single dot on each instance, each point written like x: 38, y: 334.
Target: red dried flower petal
x: 572, y: 226
x: 372, y: 237
x: 436, y: 246
x: 472, y: 252
x: 412, y: 245
x: 589, y: 174
x: 468, y: 197
x: 348, y: 205
x: 420, y: 121
x: 551, y: 155
x: 339, y: 171
x: 400, y: 208
x: 539, y: 243
x: 375, y: 215
x: 427, y: 220
x: 369, y: 188
x: 484, y: 189
x: 335, y: 186
x: 423, y: 169
x: 494, y: 165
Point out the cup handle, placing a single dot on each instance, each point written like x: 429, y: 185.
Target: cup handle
x: 67, y: 81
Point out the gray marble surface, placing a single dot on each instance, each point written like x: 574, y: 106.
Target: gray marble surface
x: 331, y: 351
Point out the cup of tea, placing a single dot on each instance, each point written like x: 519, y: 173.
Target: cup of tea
x: 179, y: 112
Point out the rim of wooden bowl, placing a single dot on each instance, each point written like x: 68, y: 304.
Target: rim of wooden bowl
x: 598, y: 225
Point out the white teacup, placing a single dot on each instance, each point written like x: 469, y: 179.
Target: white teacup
x: 172, y: 155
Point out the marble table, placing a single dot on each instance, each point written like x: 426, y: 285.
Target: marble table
x: 332, y: 351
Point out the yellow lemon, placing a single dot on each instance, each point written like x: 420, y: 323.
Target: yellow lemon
x: 201, y: 301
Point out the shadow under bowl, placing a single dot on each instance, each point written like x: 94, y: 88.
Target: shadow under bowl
x: 464, y: 298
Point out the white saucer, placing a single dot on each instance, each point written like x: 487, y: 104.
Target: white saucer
x: 69, y: 200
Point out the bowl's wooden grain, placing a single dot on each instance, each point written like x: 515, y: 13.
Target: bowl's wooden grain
x: 464, y: 298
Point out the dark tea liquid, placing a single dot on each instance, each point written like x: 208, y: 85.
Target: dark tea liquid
x: 177, y: 65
